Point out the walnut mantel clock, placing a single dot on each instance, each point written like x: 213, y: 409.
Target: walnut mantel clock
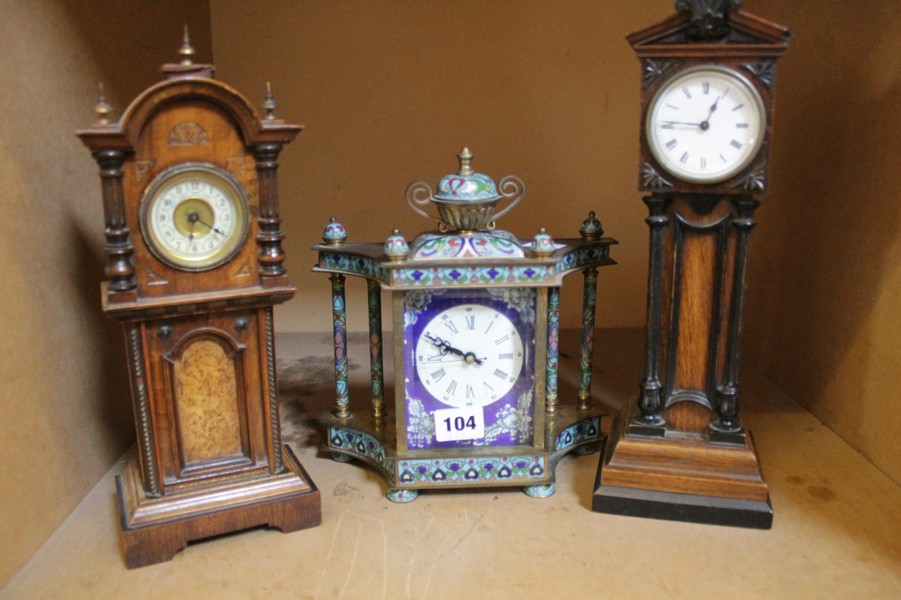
x: 476, y: 346
x: 681, y: 451
x: 194, y: 269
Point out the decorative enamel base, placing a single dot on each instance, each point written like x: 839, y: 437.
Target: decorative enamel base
x: 402, y: 496
x: 540, y: 491
x: 407, y: 474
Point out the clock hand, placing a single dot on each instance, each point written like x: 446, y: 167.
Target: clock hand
x: 705, y: 124
x: 665, y: 123
x: 470, y: 357
x: 193, y: 217
x: 444, y: 348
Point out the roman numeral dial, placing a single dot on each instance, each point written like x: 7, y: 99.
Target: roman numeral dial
x: 469, y: 355
x: 706, y: 124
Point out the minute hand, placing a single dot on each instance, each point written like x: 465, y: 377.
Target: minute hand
x: 664, y: 124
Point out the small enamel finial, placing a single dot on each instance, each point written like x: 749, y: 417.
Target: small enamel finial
x: 102, y: 108
x: 465, y: 158
x: 334, y: 233
x: 543, y: 245
x: 269, y: 104
x: 591, y: 228
x: 396, y: 247
x: 186, y: 50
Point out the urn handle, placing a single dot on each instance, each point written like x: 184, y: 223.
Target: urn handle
x: 419, y: 194
x: 510, y: 187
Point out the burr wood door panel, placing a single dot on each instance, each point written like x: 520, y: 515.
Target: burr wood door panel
x: 210, y: 409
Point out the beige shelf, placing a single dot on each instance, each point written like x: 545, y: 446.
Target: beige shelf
x: 836, y: 532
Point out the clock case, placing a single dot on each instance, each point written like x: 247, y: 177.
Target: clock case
x: 200, y: 345
x: 681, y: 452
x: 470, y: 263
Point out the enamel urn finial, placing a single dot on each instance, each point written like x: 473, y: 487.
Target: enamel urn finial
x: 466, y: 200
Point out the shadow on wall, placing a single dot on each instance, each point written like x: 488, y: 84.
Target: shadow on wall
x: 112, y: 405
x: 129, y: 58
x: 827, y: 248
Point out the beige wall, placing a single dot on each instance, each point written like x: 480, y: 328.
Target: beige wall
x: 824, y: 292
x: 66, y: 412
x: 390, y: 91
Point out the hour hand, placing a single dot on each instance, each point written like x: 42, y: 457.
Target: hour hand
x: 444, y: 348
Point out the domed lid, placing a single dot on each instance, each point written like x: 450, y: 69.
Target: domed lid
x: 466, y: 185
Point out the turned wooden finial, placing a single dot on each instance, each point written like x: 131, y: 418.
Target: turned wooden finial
x: 186, y: 67
x: 102, y: 108
x: 186, y: 50
x: 269, y: 104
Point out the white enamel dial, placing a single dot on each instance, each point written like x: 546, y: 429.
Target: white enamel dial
x: 469, y: 355
x: 194, y: 216
x: 706, y: 124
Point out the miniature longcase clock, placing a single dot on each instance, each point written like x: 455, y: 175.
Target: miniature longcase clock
x: 194, y: 268
x: 475, y: 339
x: 681, y: 451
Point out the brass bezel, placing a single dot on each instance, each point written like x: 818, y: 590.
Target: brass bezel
x: 222, y: 180
x: 742, y: 82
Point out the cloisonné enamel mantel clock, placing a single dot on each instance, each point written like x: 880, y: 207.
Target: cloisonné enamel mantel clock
x: 476, y: 325
x: 194, y: 269
x: 681, y: 451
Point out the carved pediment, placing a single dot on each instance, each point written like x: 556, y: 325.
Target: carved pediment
x: 717, y: 26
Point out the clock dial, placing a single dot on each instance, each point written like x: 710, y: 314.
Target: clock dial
x: 194, y: 216
x: 706, y: 125
x: 469, y: 372
x: 469, y: 355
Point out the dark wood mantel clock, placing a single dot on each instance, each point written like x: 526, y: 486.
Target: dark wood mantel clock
x: 681, y: 451
x: 194, y: 268
x: 476, y: 323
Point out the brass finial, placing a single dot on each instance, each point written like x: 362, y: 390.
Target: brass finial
x: 186, y: 51
x: 102, y: 108
x: 269, y: 104
x: 465, y: 158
